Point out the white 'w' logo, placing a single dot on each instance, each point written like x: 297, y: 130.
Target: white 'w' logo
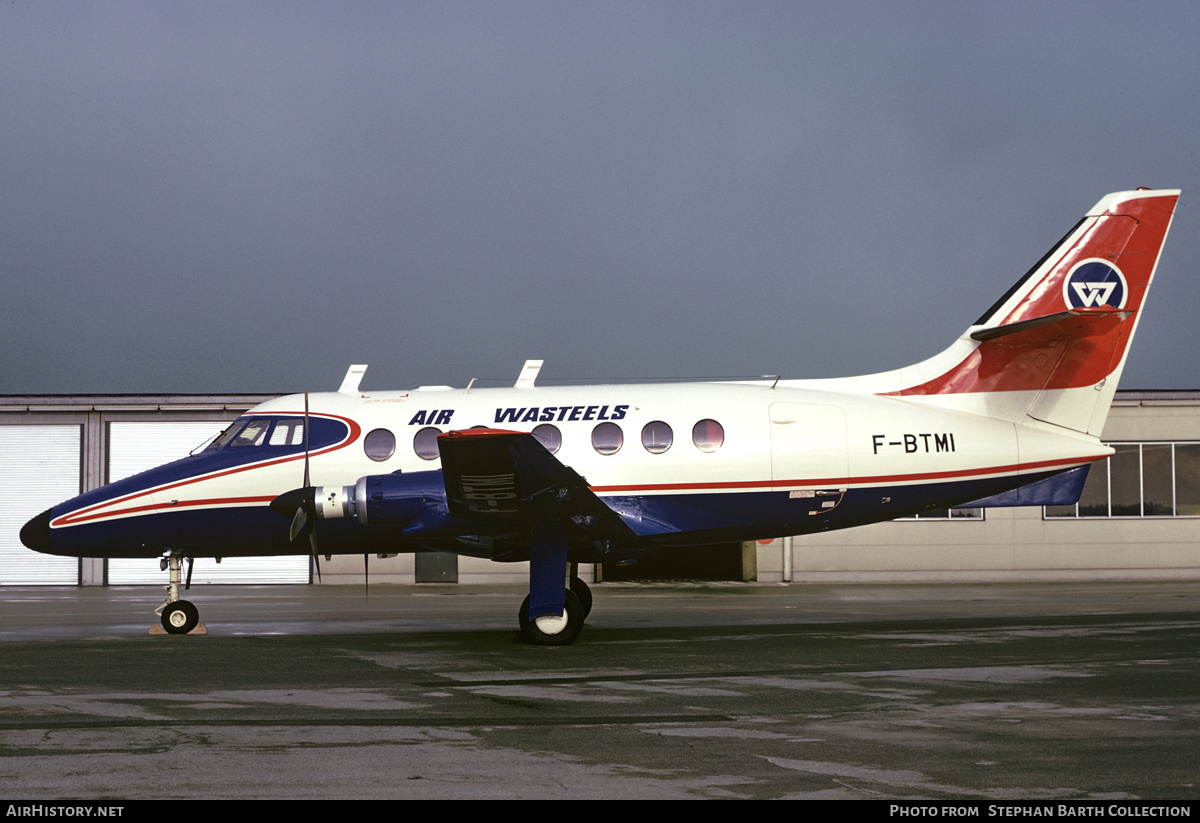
x: 1093, y: 294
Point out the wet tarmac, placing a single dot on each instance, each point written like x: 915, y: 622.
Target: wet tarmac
x: 983, y: 693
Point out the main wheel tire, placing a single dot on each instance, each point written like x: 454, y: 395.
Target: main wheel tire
x: 584, y: 593
x: 550, y: 634
x: 180, y: 617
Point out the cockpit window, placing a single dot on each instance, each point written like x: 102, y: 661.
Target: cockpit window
x: 253, y: 433
x: 285, y: 433
x: 288, y: 432
x: 226, y: 435
x: 244, y: 432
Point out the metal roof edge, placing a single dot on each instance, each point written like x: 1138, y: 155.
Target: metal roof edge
x: 130, y: 402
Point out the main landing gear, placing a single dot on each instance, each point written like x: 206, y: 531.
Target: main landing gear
x: 558, y: 630
x: 553, y: 614
x: 178, y: 616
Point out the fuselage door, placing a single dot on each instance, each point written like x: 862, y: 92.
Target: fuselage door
x: 808, y: 446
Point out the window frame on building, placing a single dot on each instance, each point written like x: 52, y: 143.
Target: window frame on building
x: 1108, y: 492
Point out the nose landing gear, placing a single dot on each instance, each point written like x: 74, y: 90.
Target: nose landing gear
x: 178, y: 616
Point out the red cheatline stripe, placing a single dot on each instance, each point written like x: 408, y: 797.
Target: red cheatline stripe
x: 179, y: 504
x: 850, y: 481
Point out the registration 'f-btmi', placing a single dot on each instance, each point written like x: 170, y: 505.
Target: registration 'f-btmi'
x: 1009, y: 414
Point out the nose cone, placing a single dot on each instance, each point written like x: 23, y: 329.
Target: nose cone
x: 36, y: 533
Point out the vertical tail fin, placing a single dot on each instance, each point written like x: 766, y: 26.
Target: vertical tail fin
x: 1056, y: 343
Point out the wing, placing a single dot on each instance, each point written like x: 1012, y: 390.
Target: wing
x: 505, y: 476
x: 502, y: 476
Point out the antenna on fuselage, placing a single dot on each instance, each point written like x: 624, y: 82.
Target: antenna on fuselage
x: 354, y: 376
x: 529, y: 373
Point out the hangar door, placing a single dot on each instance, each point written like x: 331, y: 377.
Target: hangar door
x: 39, y: 466
x: 137, y: 446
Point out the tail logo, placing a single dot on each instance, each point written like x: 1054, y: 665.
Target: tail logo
x: 1093, y: 283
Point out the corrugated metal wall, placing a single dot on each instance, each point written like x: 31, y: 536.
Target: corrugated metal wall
x: 40, y: 465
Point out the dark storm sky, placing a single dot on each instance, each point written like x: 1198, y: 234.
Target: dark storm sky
x: 249, y: 196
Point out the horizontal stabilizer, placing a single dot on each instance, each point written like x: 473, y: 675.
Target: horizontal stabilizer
x: 1086, y: 322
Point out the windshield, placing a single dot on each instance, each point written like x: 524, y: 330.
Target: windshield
x: 279, y: 432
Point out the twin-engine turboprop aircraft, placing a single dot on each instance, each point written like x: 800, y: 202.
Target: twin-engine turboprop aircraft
x: 1007, y: 415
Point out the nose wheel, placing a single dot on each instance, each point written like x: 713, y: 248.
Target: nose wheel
x: 178, y: 616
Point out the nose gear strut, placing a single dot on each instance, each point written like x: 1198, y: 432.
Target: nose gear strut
x: 178, y: 616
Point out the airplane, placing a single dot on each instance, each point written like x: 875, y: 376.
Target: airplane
x: 1009, y: 415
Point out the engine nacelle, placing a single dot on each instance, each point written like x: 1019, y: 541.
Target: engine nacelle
x: 333, y: 502
x: 415, y: 501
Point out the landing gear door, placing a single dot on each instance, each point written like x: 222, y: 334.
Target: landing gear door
x: 809, y: 452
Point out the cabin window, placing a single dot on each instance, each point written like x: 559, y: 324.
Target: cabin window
x: 708, y: 435
x: 425, y: 443
x: 549, y: 436
x: 607, y: 438
x: 379, y: 445
x: 657, y: 437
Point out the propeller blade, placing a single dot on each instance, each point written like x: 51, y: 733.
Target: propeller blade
x: 306, y: 480
x: 312, y: 543
x: 299, y: 524
x: 302, y: 505
x: 304, y: 502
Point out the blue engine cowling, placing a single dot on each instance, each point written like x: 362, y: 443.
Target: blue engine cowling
x: 416, y: 501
